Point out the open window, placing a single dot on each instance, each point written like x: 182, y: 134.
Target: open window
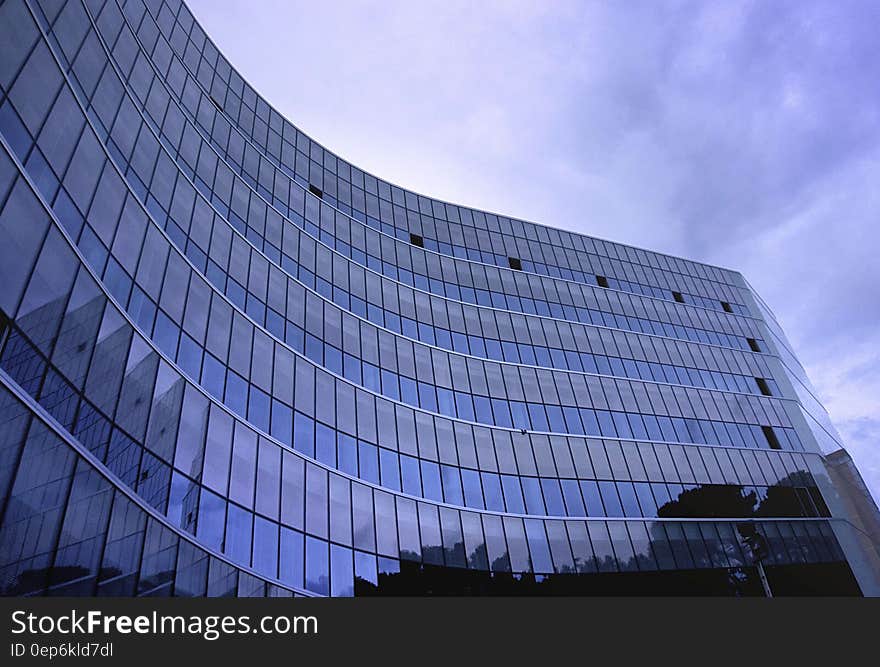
x: 753, y: 345
x: 416, y: 240
x: 514, y: 263
x: 726, y: 307
x: 602, y: 281
x: 678, y: 297
x: 4, y: 325
x: 772, y: 440
x: 763, y: 386
x: 315, y: 190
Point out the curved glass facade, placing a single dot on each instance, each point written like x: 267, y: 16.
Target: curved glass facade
x: 235, y: 364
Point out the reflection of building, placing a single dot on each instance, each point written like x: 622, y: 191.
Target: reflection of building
x: 233, y: 363
x: 858, y: 502
x: 849, y: 483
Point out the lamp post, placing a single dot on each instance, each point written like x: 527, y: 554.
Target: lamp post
x: 757, y: 545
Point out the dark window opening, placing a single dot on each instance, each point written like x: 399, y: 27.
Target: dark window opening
x: 763, y: 386
x: 602, y: 281
x: 416, y: 240
x: 514, y: 263
x: 316, y: 191
x: 753, y: 345
x: 678, y: 297
x: 726, y: 307
x: 4, y: 325
x: 772, y: 440
x: 216, y: 103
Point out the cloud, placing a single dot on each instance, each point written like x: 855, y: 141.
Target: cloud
x: 745, y: 134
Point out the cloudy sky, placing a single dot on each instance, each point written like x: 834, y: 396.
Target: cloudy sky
x: 743, y: 134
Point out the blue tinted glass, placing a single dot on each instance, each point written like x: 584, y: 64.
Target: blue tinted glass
x: 304, y: 434
x: 553, y: 497
x: 483, y: 409
x: 431, y: 481
x: 538, y: 417
x: 239, y: 525
x: 390, y: 385
x: 317, y: 567
x: 646, y: 499
x: 492, y: 491
x: 265, y: 550
x: 501, y: 413
x: 212, y: 516
x: 258, y: 409
x: 390, y: 469
x: 571, y: 493
x: 592, y: 499
x: 342, y: 575
x: 365, y: 570
x: 282, y: 421
x: 410, y: 475
x: 473, y: 494
x: 532, y: 493
x: 292, y: 559
x: 513, y: 494
x: 610, y: 499
x: 628, y: 499
x: 452, y: 491
x: 325, y: 444
x: 346, y: 452
x: 368, y: 459
x: 606, y: 424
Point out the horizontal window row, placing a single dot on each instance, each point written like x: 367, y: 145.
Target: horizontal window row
x: 12, y: 123
x: 327, y: 173
x: 493, y: 543
x: 465, y: 487
x: 353, y: 410
x: 124, y: 374
x: 84, y: 524
x: 180, y: 414
x: 184, y: 85
x: 488, y: 300
x: 66, y: 531
x: 163, y: 55
x: 117, y: 277
x: 165, y: 332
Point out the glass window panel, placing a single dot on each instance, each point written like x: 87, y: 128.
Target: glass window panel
x: 601, y: 542
x: 408, y: 530
x: 292, y: 558
x: 342, y: 574
x: 317, y: 566
x: 538, y: 546
x: 474, y: 542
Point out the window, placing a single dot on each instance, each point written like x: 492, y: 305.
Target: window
x: 216, y: 103
x: 315, y: 190
x: 678, y: 297
x: 753, y: 345
x: 602, y: 281
x: 514, y: 263
x: 772, y: 440
x: 763, y: 386
x: 726, y: 307
x: 416, y: 240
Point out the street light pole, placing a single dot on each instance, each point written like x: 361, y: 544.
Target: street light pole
x: 757, y: 545
x: 763, y: 575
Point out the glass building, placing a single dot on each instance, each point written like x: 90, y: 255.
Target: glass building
x: 232, y: 363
